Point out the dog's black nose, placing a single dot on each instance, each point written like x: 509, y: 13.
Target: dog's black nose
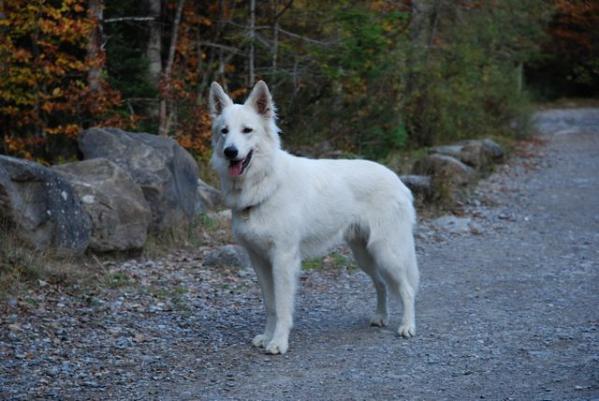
x: 231, y: 152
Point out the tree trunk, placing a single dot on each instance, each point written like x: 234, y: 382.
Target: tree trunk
x: 252, y: 34
x: 95, y: 55
x: 520, y: 77
x: 275, y: 47
x: 275, y: 40
x: 165, y: 116
x: 416, y: 88
x: 276, y: 27
x: 420, y: 22
x: 154, y: 49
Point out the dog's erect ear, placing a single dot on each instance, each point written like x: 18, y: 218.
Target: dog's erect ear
x: 218, y: 100
x: 261, y: 100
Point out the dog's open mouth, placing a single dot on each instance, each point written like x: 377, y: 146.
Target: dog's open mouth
x: 238, y: 167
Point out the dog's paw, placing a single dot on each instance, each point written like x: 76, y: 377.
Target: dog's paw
x: 277, y: 347
x: 260, y: 341
x: 378, y: 320
x: 407, y: 330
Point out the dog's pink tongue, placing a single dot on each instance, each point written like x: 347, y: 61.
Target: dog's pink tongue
x: 235, y: 169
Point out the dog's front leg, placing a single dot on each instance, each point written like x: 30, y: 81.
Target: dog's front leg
x: 263, y: 271
x: 285, y: 267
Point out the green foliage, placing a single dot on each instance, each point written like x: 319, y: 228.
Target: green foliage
x: 127, y: 65
x: 368, y: 77
x: 467, y: 85
x: 116, y: 280
x: 335, y: 260
x: 377, y: 89
x: 358, y: 90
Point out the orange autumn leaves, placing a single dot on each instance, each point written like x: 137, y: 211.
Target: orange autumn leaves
x: 45, y: 64
x: 44, y: 68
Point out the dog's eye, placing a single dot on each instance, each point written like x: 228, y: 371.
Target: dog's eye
x: 247, y: 130
x: 224, y: 131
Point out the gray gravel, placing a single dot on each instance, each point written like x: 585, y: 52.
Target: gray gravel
x: 508, y: 309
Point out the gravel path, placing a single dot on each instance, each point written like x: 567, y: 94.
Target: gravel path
x: 508, y: 309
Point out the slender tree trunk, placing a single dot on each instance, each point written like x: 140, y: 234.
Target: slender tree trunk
x: 276, y: 29
x: 154, y: 49
x: 520, y: 77
x: 275, y: 40
x: 95, y: 55
x: 416, y: 88
x: 420, y: 22
x: 154, y: 53
x: 165, y: 116
x: 275, y: 47
x: 40, y: 123
x: 252, y: 34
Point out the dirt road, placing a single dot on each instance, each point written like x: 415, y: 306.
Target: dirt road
x: 508, y: 309
x: 509, y: 314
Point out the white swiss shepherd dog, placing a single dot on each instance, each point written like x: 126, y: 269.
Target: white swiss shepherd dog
x: 286, y: 208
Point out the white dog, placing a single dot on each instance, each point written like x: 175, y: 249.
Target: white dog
x: 286, y: 208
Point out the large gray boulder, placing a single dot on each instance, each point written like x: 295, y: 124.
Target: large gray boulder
x: 42, y: 207
x: 476, y: 153
x: 449, y: 177
x: 208, y: 198
x: 420, y: 185
x: 166, y: 173
x: 447, y: 168
x: 229, y: 256
x: 119, y: 212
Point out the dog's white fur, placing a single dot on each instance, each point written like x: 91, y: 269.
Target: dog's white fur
x: 286, y: 208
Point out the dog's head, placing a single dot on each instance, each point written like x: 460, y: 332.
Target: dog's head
x: 242, y: 134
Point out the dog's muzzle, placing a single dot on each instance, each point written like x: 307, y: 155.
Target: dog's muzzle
x: 231, y: 152
x: 237, y: 167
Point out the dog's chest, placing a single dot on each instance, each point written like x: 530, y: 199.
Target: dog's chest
x: 251, y: 231
x: 262, y: 233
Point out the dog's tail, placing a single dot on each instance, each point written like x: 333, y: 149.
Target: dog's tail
x: 406, y: 204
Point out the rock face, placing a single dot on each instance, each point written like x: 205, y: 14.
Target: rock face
x: 420, y: 185
x: 166, y: 173
x: 208, y: 198
x: 228, y: 256
x: 479, y: 154
x: 451, y: 168
x: 42, y: 207
x: 447, y: 168
x: 119, y: 213
x: 449, y: 177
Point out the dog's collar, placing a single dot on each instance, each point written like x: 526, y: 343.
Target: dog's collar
x: 245, y: 212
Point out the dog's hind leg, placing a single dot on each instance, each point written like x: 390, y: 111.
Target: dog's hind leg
x: 264, y: 274
x: 285, y: 268
x: 366, y: 263
x: 399, y: 269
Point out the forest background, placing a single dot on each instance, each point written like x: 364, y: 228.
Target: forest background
x: 367, y: 77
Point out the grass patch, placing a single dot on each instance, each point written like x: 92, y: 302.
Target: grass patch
x: 312, y: 264
x: 177, y: 295
x: 334, y: 260
x: 209, y: 223
x: 22, y: 267
x: 204, y: 229
x: 116, y: 280
x: 402, y: 161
